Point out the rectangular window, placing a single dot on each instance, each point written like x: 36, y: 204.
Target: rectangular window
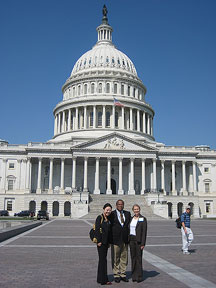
x: 122, y: 89
x: 128, y: 90
x: 9, y: 205
x: 206, y: 169
x: 115, y: 88
x: 208, y: 207
x: 10, y: 184
x: 207, y: 188
x: 11, y: 165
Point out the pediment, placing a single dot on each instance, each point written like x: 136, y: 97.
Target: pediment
x: 115, y: 142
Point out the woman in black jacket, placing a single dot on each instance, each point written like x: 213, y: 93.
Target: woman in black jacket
x: 103, y: 236
x: 138, y: 231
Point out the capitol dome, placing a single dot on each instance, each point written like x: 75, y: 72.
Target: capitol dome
x: 103, y: 95
x: 104, y: 54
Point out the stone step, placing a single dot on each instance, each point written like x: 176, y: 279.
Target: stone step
x: 96, y: 203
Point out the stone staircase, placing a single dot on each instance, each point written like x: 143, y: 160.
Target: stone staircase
x: 96, y: 203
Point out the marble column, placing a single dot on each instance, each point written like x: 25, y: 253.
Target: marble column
x: 97, y: 189
x: 132, y: 191
x: 120, y: 190
x: 74, y: 173
x: 62, y: 173
x: 108, y: 191
x: 194, y: 177
x: 131, y: 119
x: 144, y: 122
x: 148, y: 127
x: 154, y: 174
x: 85, y: 176
x: 76, y: 118
x: 18, y: 174
x: 143, y: 177
x: 184, y: 178
x: 4, y: 174
x: 69, y: 120
x: 39, y: 176
x: 104, y: 117
x: 174, y: 192
x: 138, y: 120
x: 151, y: 126
x: 85, y: 117
x: 113, y: 117
x: 51, y: 176
x: 28, y: 174
x: 162, y: 176
x: 63, y: 121
x: 94, y: 116
x: 122, y: 118
x: 56, y: 125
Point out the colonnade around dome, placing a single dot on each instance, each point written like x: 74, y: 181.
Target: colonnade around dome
x: 103, y: 117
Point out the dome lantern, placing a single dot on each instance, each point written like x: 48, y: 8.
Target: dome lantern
x: 104, y: 30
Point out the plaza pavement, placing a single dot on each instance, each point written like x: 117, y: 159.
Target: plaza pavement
x: 60, y: 254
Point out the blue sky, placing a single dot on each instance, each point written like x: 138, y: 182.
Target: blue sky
x: 171, y: 42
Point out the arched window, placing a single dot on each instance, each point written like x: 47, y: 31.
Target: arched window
x: 122, y: 89
x: 134, y: 92
x: 107, y: 119
x: 92, y: 88
x: 99, y: 119
x: 115, y: 88
x: 79, y: 89
x: 116, y: 119
x: 85, y: 89
x: 107, y: 88
x: 73, y: 91
x: 100, y: 88
x: 91, y: 119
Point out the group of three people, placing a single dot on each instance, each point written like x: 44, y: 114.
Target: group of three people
x: 120, y: 229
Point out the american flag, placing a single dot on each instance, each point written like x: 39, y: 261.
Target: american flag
x: 118, y: 103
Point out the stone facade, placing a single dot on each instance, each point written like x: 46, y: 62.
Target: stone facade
x: 103, y: 144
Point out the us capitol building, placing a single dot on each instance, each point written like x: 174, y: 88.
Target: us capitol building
x: 103, y: 144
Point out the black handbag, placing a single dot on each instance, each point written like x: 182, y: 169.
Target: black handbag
x: 92, y: 232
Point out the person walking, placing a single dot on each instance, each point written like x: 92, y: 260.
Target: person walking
x: 138, y: 232
x: 103, y: 236
x: 120, y: 220
x: 187, y: 234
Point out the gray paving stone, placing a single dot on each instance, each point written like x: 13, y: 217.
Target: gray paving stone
x: 75, y: 266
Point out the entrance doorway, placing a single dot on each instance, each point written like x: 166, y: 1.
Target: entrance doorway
x: 113, y: 186
x: 55, y: 208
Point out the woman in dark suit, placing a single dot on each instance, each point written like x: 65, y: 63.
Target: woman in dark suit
x: 138, y: 231
x: 103, y: 236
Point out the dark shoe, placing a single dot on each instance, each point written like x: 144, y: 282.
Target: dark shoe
x: 134, y: 280
x: 117, y: 280
x: 124, y: 279
x: 138, y: 281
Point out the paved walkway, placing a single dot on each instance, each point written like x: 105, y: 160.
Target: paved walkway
x: 60, y: 254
